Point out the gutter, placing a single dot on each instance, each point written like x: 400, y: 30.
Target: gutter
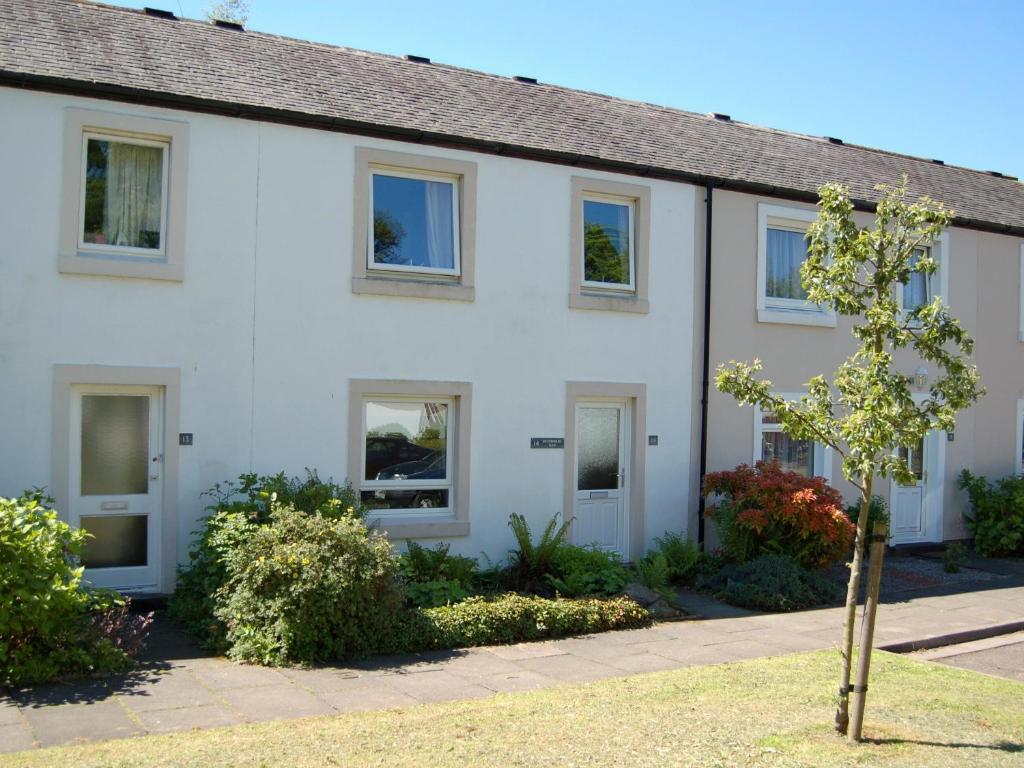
x: 98, y: 90
x: 706, y: 360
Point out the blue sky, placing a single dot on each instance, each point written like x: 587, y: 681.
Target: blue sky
x: 940, y: 79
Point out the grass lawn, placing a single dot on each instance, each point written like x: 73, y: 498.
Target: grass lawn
x: 764, y: 712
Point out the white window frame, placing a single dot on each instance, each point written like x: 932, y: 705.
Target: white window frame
x: 938, y: 281
x: 425, y: 485
x: 822, y: 454
x: 76, y: 257
x: 771, y: 309
x: 1019, y: 460
x: 111, y: 249
x: 630, y: 204
x: 403, y: 173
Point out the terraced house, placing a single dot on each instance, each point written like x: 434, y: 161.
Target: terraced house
x: 470, y: 295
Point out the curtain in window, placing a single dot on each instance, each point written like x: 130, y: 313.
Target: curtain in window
x: 917, y: 290
x: 792, y: 455
x: 786, y: 252
x: 133, y: 202
x: 438, y: 198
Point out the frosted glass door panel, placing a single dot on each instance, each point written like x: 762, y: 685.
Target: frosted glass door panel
x: 598, y: 449
x: 119, y: 541
x: 115, y: 445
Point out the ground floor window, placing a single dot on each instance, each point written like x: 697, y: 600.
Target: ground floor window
x: 806, y: 457
x: 407, y: 453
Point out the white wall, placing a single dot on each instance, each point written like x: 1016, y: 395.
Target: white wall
x: 267, y: 332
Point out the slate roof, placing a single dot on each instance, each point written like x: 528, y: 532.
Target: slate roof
x: 85, y: 47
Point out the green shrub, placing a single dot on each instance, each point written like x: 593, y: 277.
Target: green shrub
x: 420, y: 564
x: 768, y: 510
x: 513, y: 618
x: 578, y: 571
x: 303, y: 588
x: 531, y: 564
x: 430, y: 594
x: 998, y: 521
x: 237, y: 505
x: 681, y: 556
x: 771, y: 583
x: 953, y: 557
x: 878, y: 512
x: 652, y: 571
x: 50, y: 625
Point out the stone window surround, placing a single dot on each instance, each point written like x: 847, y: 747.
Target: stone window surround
x: 585, y: 297
x: 73, y: 260
x: 417, y: 526
x: 389, y: 283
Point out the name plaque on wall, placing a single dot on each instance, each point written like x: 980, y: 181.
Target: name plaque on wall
x: 547, y: 442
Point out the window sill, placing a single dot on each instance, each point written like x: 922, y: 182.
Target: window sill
x: 416, y: 289
x: 609, y: 303
x: 120, y: 267
x: 419, y: 527
x: 796, y: 317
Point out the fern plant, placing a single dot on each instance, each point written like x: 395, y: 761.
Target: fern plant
x: 532, y: 563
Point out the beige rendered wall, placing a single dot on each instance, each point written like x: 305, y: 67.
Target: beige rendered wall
x: 984, y: 282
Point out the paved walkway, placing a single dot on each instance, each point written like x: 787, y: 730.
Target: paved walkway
x: 182, y: 689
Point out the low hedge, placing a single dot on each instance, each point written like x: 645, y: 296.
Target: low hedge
x: 514, y: 618
x: 771, y: 583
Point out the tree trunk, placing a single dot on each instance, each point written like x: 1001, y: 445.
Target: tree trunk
x: 850, y: 619
x: 867, y: 630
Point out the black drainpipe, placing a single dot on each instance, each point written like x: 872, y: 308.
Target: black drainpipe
x: 705, y: 373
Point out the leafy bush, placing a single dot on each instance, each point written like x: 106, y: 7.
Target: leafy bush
x: 767, y: 510
x: 878, y: 512
x: 579, y: 571
x: 50, y: 625
x: 531, y: 564
x: 998, y: 521
x: 771, y: 583
x: 953, y: 557
x: 303, y: 588
x: 513, y: 618
x: 652, y: 571
x: 247, y: 501
x: 681, y: 556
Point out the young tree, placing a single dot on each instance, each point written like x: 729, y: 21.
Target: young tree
x: 868, y: 411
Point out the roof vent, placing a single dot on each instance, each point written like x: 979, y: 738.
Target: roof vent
x: 225, y: 24
x: 417, y: 59
x: 159, y: 13
x: 833, y: 140
x: 719, y: 116
x: 938, y: 162
x: 525, y: 79
x: 997, y: 174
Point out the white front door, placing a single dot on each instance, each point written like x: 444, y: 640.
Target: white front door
x: 907, y: 501
x: 600, y: 508
x: 116, y: 479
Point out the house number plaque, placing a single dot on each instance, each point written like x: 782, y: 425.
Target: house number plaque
x: 547, y: 442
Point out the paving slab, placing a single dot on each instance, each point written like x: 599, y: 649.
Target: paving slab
x: 188, y: 718
x: 514, y: 682
x: 15, y: 737
x: 169, y: 691
x: 222, y: 675
x: 521, y: 651
x: 70, y: 723
x: 571, y: 668
x: 371, y: 696
x: 9, y: 713
x: 437, y: 685
x: 1001, y: 661
x: 274, y: 702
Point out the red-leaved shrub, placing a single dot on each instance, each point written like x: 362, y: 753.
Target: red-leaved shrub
x: 767, y: 510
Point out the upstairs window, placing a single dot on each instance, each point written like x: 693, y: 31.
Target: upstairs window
x: 781, y: 251
x: 415, y: 223
x: 608, y: 250
x: 124, y: 195
x: 921, y: 289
